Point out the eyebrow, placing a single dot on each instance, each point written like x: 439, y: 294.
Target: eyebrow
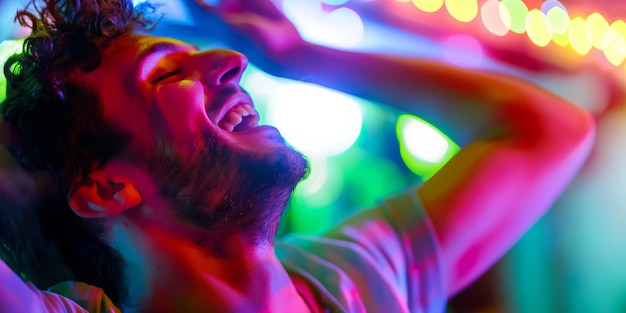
x: 164, y: 46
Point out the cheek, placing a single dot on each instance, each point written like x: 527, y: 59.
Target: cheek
x: 181, y: 105
x: 127, y: 110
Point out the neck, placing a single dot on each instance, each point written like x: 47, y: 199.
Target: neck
x: 185, y: 277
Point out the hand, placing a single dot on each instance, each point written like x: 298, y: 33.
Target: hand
x: 256, y: 28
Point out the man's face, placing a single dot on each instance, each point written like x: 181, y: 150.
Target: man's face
x: 196, y: 130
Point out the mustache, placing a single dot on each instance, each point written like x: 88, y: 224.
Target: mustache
x: 222, y: 95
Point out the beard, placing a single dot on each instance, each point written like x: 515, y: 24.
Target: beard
x: 223, y: 191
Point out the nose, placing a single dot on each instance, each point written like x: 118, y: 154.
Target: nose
x: 221, y: 66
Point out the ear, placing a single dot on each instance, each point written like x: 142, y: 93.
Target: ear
x: 103, y: 195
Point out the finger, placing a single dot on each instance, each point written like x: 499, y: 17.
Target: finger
x: 202, y: 4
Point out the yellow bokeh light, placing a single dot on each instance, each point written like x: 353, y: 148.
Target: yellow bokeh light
x: 517, y: 11
x: 620, y: 27
x: 538, y: 28
x: 428, y: 5
x: 496, y: 20
x: 559, y: 20
x: 462, y: 10
x: 578, y: 36
x: 614, y: 43
x: 561, y: 39
x: 596, y: 27
x: 614, y: 46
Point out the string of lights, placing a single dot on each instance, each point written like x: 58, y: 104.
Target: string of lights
x: 543, y: 22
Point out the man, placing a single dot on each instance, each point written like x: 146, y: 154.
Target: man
x: 169, y: 192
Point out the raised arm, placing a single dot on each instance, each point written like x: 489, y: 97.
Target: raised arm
x: 15, y: 295
x: 521, y: 145
x: 19, y: 189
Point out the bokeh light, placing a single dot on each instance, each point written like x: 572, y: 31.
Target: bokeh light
x: 7, y: 49
x: 578, y: 36
x: 423, y: 142
x: 559, y: 19
x: 596, y: 27
x: 462, y: 10
x: 614, y: 46
x: 561, y: 39
x: 428, y: 5
x: 341, y: 27
x: 538, y: 28
x: 315, y: 120
x: 517, y: 11
x: 314, y: 205
x: 548, y: 5
x: 424, y: 149
x: 496, y: 19
x: 617, y: 32
x: 620, y: 27
x: 322, y: 186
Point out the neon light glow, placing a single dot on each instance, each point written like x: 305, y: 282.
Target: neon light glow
x: 424, y: 149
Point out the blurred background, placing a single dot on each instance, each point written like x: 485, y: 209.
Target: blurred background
x: 573, y: 259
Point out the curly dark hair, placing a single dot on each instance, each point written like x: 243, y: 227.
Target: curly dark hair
x: 56, y: 125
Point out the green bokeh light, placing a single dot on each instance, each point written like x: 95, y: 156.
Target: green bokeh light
x: 518, y: 11
x: 7, y: 49
x: 424, y: 149
x: 559, y: 20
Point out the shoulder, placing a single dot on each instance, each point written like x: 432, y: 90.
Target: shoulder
x: 388, y: 254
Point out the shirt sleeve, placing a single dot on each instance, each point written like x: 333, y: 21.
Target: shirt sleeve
x: 17, y: 296
x: 90, y: 298
x: 399, y: 237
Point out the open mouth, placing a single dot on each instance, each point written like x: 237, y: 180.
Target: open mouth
x: 239, y: 118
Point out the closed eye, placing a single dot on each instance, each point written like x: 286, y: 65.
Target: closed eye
x: 165, y: 76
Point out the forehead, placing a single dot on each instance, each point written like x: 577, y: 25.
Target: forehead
x: 131, y: 48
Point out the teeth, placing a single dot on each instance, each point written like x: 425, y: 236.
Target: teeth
x: 236, y: 115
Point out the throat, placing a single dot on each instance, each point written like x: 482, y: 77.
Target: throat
x: 188, y: 278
